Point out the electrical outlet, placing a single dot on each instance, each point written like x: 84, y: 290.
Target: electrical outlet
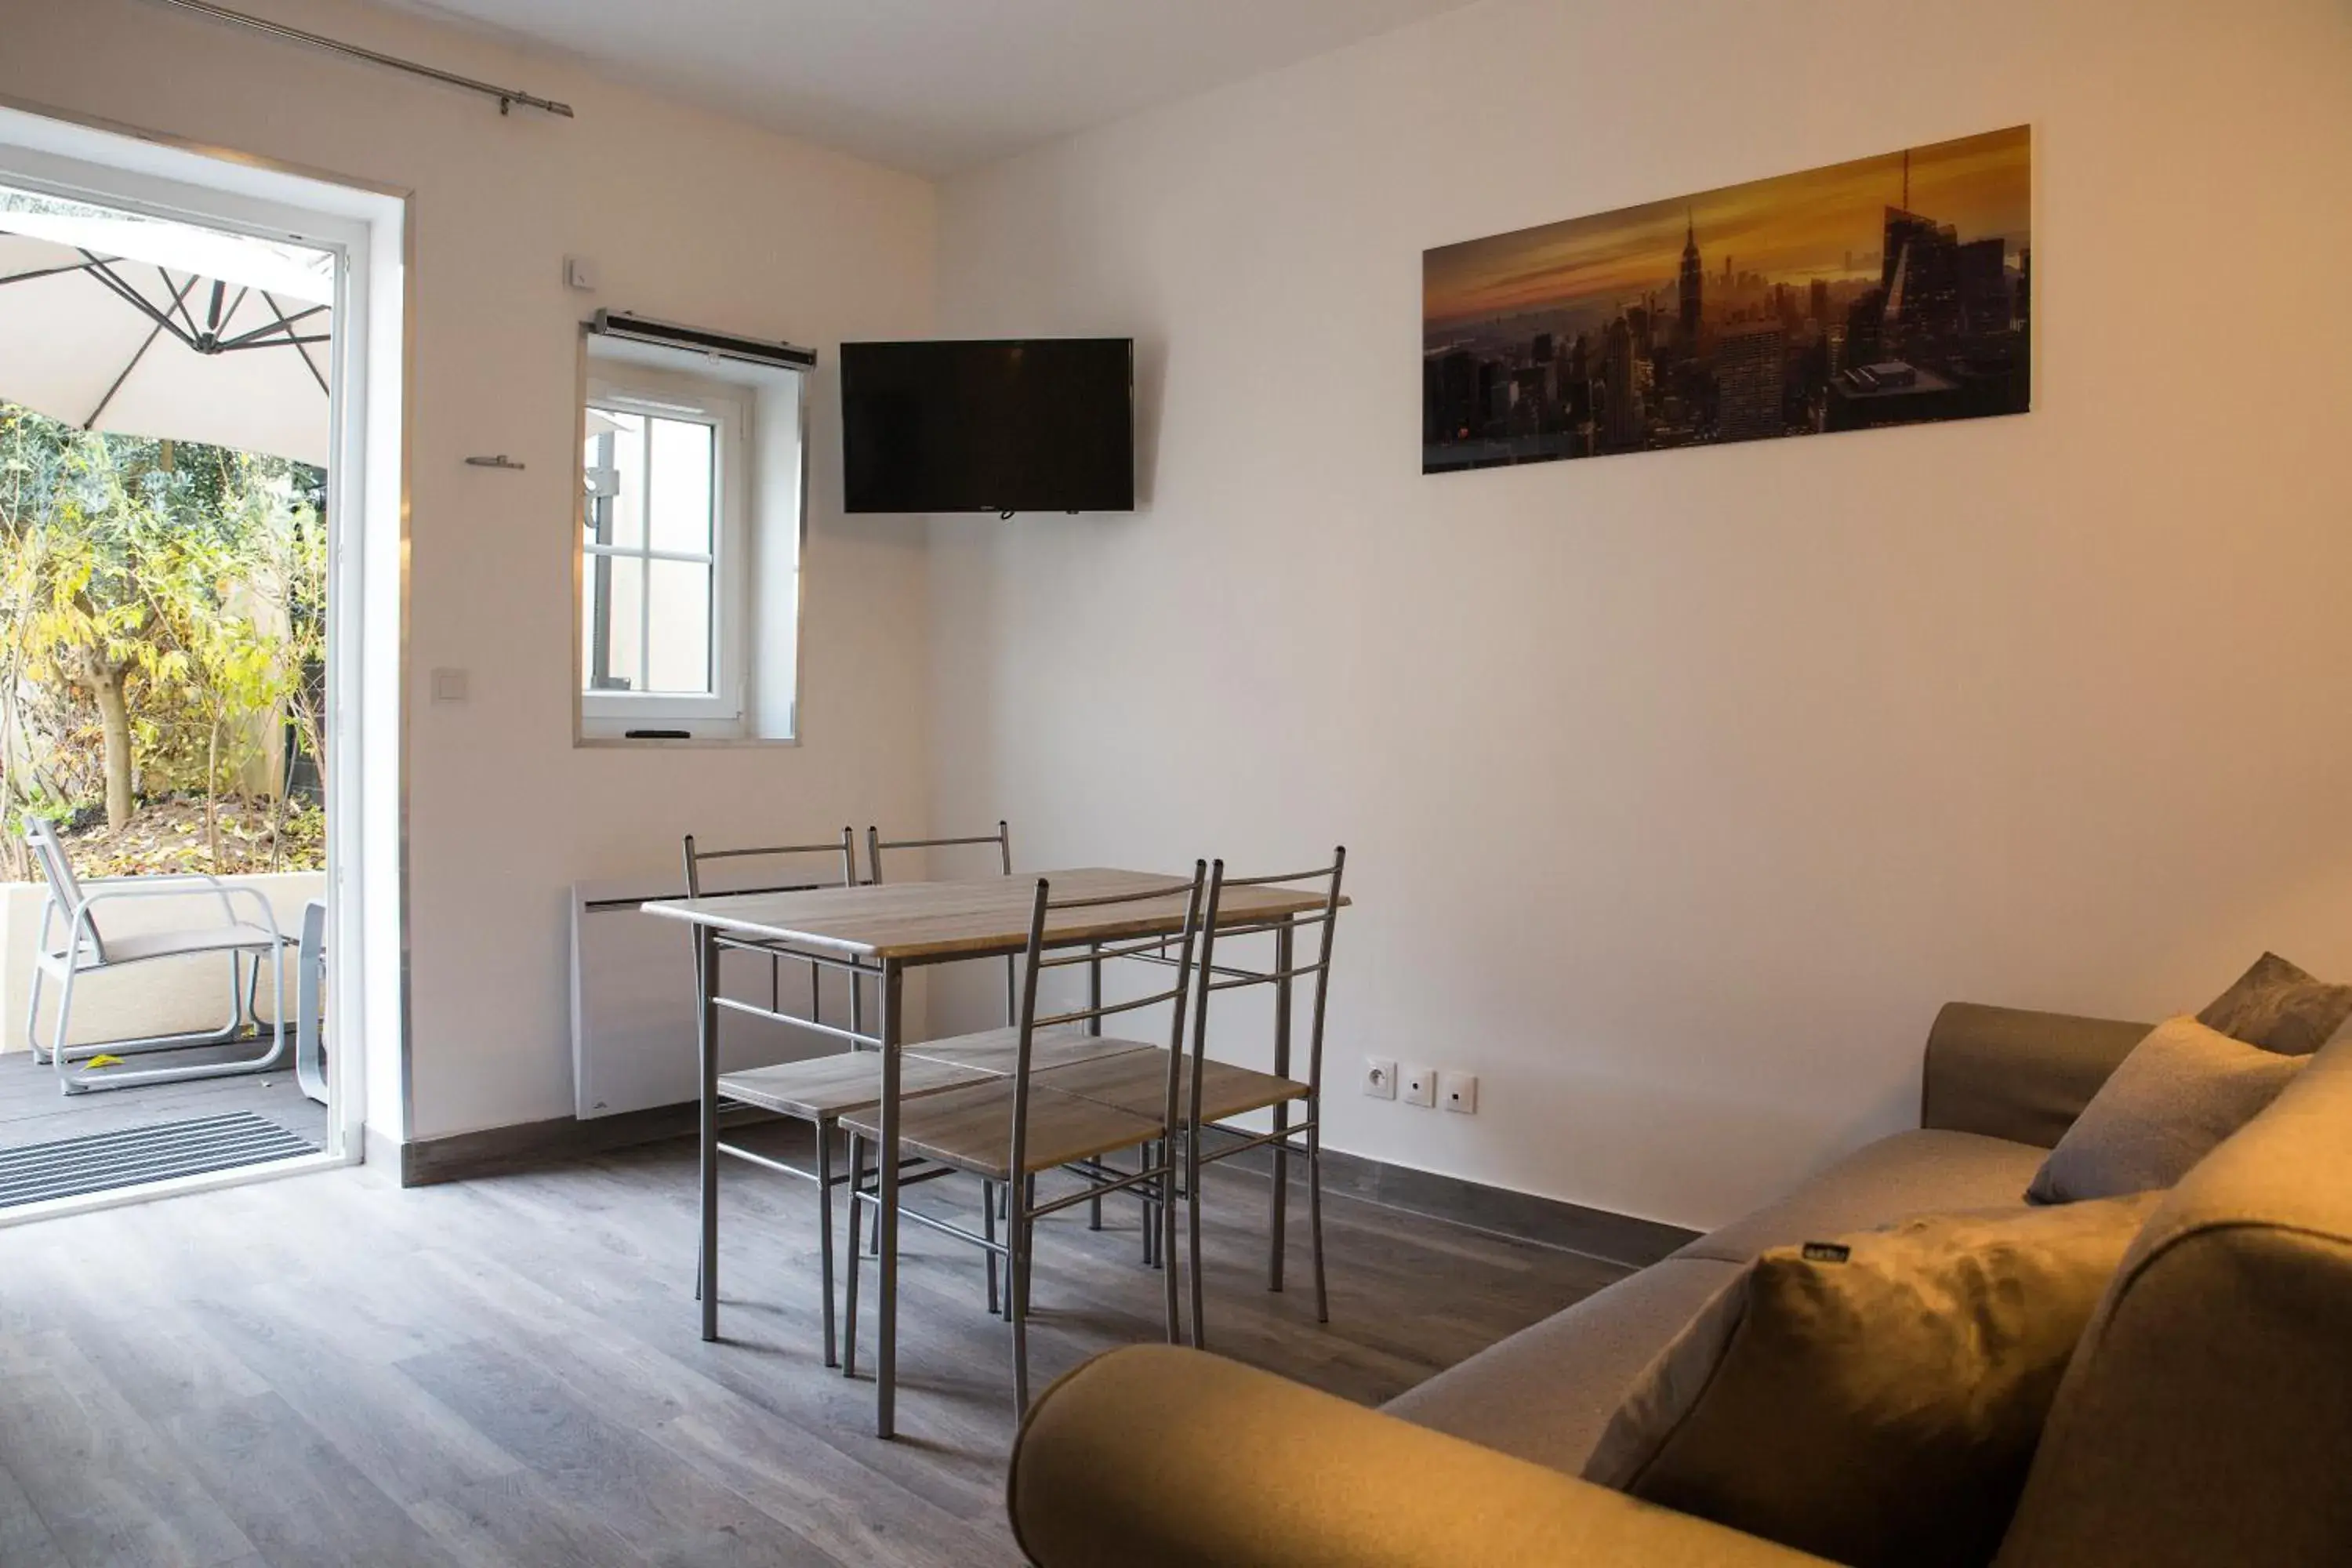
x: 1381, y: 1077
x: 1458, y: 1091
x: 1420, y: 1086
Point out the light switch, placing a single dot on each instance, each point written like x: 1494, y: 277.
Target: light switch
x: 579, y: 272
x: 448, y: 686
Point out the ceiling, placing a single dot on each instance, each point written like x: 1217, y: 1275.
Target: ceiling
x: 934, y: 86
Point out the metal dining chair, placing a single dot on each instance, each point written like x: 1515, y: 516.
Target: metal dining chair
x: 1215, y: 1092
x: 818, y: 1090
x: 992, y: 1050
x: 1018, y: 1127
x: 251, y: 942
x: 876, y: 847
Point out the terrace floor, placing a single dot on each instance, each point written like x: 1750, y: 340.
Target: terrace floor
x: 33, y: 1111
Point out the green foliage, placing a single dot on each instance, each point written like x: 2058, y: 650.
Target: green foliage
x: 161, y: 604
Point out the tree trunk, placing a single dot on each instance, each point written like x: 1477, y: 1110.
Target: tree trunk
x: 314, y: 737
x: 114, y: 722
x: 212, y: 774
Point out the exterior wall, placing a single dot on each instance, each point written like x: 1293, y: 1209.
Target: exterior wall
x: 167, y: 996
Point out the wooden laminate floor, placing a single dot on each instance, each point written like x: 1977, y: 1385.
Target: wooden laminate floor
x: 327, y: 1369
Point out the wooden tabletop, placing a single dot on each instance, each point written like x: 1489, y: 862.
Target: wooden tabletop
x: 916, y: 921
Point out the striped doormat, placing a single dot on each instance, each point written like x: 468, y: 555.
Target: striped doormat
x: 102, y: 1162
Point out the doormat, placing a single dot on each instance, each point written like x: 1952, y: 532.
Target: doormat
x: 102, y: 1162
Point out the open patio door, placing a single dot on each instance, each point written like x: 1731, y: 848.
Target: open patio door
x: 200, y: 563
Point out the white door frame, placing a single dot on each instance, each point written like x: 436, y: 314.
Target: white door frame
x: 367, y: 227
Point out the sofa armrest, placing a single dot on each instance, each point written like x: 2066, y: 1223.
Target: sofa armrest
x: 2008, y: 1073
x: 1154, y: 1456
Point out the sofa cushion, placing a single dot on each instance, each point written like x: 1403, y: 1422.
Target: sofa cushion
x: 1546, y: 1392
x: 1920, y: 1172
x: 1873, y: 1398
x: 2180, y: 1092
x: 2278, y: 1006
x: 2206, y: 1415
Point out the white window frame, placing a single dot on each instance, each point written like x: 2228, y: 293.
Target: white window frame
x: 673, y: 394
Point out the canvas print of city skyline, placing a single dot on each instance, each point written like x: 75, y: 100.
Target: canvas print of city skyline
x: 1888, y: 290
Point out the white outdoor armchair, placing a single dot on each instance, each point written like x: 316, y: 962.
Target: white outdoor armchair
x: 241, y: 925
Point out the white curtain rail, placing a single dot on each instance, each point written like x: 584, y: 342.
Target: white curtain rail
x: 507, y: 96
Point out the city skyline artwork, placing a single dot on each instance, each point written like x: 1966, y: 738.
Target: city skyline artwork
x: 1895, y: 289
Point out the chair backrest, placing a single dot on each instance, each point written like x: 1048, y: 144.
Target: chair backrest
x: 845, y: 848
x: 57, y: 870
x: 877, y: 846
x: 1216, y: 931
x: 1149, y: 952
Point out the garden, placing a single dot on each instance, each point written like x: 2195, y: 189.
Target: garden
x: 162, y: 651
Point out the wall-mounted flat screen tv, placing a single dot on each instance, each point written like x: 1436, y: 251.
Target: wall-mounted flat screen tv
x: 1005, y: 425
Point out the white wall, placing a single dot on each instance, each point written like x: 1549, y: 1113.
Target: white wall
x: 1682, y: 788
x: 688, y: 217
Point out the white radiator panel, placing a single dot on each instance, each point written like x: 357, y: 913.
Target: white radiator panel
x: 633, y: 1004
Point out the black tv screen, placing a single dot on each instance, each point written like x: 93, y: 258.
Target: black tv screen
x: 1026, y: 424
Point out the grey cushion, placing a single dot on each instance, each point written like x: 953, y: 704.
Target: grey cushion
x: 1875, y: 1398
x: 1546, y: 1392
x: 2180, y: 1092
x: 1920, y: 1172
x: 2279, y: 1008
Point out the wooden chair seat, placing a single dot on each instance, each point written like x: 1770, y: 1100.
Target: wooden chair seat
x: 1137, y: 1082
x: 993, y: 1051
x: 972, y: 1128
x: 825, y: 1088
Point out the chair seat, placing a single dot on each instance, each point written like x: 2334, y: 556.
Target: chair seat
x: 1137, y: 1083
x: 168, y: 945
x: 993, y: 1051
x: 826, y: 1086
x: 971, y: 1129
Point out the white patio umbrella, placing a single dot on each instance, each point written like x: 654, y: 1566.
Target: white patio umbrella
x: 113, y: 321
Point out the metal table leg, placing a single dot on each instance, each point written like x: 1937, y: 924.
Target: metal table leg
x: 1282, y: 960
x: 706, y: 965
x: 1094, y: 1027
x: 886, y: 1216
x: 824, y: 1233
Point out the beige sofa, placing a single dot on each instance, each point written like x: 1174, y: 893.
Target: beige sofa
x: 2205, y: 1418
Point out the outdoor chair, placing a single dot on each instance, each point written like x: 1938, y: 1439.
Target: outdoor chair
x: 85, y: 949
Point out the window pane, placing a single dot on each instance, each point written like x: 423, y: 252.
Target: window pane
x: 622, y: 512
x: 681, y: 493
x: 679, y: 657
x: 613, y: 589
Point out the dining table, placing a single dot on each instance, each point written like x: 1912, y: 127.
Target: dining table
x: 881, y: 932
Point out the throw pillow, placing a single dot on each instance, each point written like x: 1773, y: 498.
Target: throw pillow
x: 2279, y: 1008
x: 1876, y: 1399
x: 2178, y: 1094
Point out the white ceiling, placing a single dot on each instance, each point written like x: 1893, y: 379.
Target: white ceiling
x: 935, y: 86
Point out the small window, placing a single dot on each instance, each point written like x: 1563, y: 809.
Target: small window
x: 683, y: 537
